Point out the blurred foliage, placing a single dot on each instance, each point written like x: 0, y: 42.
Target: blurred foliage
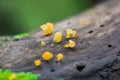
x: 18, y: 16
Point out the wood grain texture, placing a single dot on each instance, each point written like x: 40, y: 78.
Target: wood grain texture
x: 95, y: 57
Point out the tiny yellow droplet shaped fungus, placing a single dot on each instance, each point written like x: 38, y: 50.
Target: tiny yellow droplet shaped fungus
x: 70, y: 33
x: 58, y: 37
x: 50, y: 27
x: 81, y: 22
x: 87, y: 21
x: 59, y: 57
x: 47, y: 56
x: 37, y: 63
x: 71, y: 44
x: 27, y: 49
x: 47, y: 28
x: 52, y: 45
x: 42, y: 43
x: 12, y: 77
x: 66, y: 46
x: 74, y: 34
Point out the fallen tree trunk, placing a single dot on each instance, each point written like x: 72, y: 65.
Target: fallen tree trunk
x: 95, y: 57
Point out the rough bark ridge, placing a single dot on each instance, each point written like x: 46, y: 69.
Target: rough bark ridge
x: 96, y: 56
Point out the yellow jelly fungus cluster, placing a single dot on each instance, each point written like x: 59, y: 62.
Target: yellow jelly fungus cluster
x: 85, y: 21
x: 59, y: 57
x: 58, y: 37
x: 47, y: 56
x: 70, y: 33
x: 37, y: 63
x: 42, y: 43
x: 12, y: 77
x: 47, y: 28
x: 71, y: 44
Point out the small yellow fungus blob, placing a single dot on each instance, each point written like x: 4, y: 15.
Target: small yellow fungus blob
x: 87, y: 21
x: 37, y: 63
x: 66, y: 46
x: 47, y: 56
x: 52, y: 45
x: 12, y: 77
x: 42, y: 43
x: 59, y: 57
x: 71, y: 44
x: 27, y: 49
x: 58, y: 37
x: 81, y: 22
x: 47, y: 28
x: 74, y: 34
x: 70, y: 33
x: 50, y: 27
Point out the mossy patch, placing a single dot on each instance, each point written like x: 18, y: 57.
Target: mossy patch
x: 6, y: 74
x: 1, y: 42
x: 20, y: 36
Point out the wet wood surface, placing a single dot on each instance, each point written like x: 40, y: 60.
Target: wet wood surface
x: 95, y: 57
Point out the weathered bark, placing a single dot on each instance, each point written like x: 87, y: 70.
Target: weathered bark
x: 95, y: 57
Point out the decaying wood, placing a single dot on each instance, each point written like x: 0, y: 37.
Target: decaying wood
x: 95, y: 57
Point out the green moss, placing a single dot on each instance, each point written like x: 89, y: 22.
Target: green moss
x: 5, y: 74
x: 1, y: 42
x: 61, y: 79
x: 19, y: 36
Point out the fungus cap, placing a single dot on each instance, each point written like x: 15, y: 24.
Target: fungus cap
x: 42, y: 43
x: 58, y: 37
x: 74, y: 34
x: 71, y: 44
x: 47, y: 28
x: 47, y: 56
x: 70, y: 33
x: 37, y: 63
x: 59, y: 57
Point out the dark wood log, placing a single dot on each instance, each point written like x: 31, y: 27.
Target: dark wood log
x: 95, y: 57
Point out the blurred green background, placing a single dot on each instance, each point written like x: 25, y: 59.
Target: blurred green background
x: 18, y: 16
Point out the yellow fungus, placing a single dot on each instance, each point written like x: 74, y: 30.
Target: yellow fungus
x: 81, y: 22
x: 71, y: 44
x: 50, y: 27
x: 37, y: 63
x: 47, y: 28
x: 66, y: 46
x: 42, y: 43
x: 70, y: 33
x: 74, y: 34
x: 12, y: 77
x: 58, y: 37
x: 52, y: 45
x: 87, y: 21
x: 47, y: 56
x: 59, y: 57
x: 27, y: 49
